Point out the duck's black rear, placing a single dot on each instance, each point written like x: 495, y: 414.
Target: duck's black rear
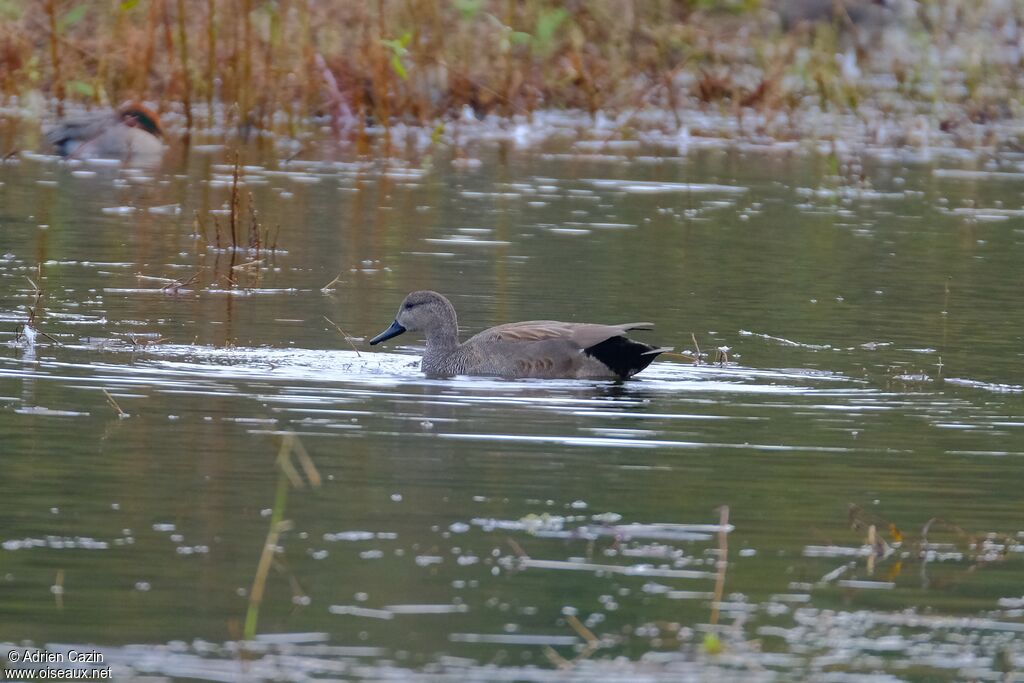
x: 623, y: 356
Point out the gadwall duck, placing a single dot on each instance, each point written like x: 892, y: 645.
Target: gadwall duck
x: 132, y: 132
x: 538, y: 348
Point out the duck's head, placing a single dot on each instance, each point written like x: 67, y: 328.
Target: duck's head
x: 420, y: 311
x: 138, y: 115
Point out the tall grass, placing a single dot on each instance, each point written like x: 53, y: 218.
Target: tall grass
x: 419, y: 60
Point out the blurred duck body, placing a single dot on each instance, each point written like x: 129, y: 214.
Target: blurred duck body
x: 133, y: 132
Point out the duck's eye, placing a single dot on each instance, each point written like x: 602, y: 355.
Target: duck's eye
x: 410, y: 305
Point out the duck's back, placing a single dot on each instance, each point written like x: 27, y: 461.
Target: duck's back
x: 68, y: 135
x: 102, y: 135
x: 554, y: 349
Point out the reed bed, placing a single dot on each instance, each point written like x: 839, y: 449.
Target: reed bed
x: 274, y: 64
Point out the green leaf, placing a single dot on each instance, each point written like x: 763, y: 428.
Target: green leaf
x: 395, y: 46
x: 398, y: 50
x: 547, y: 24
x: 519, y: 38
x: 81, y: 88
x: 128, y: 5
x: 468, y: 8
x: 9, y: 9
x: 396, y: 64
x: 73, y: 16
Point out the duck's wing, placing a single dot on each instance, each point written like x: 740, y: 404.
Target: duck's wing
x: 549, y: 348
x: 78, y: 129
x: 581, y: 335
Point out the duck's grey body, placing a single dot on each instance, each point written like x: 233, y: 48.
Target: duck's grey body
x: 538, y: 348
x: 131, y: 133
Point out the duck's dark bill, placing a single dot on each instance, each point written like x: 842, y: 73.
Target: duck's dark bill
x: 392, y: 331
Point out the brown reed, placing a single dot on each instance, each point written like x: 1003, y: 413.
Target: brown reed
x: 417, y: 61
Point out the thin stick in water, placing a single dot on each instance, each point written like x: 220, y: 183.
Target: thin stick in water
x: 347, y: 338
x: 327, y: 288
x: 110, y: 399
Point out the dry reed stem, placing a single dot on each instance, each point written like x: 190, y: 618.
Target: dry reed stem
x: 110, y: 399
x: 327, y: 288
x: 517, y: 549
x: 605, y: 55
x: 259, y: 582
x: 288, y: 477
x: 254, y: 226
x: 234, y: 203
x: 593, y: 643
x: 244, y: 98
x: 723, y: 561
x: 58, y: 80
x: 216, y: 228
x: 308, y: 466
x: 556, y: 659
x: 186, y: 80
x: 211, y: 59
x: 254, y: 264
x: 871, y: 555
x: 58, y: 589
x: 178, y: 284
x: 347, y: 338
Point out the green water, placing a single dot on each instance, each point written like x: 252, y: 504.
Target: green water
x: 874, y: 337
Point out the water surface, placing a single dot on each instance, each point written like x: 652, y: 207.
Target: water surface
x: 479, y: 529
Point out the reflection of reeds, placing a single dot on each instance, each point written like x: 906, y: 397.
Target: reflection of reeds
x: 234, y: 204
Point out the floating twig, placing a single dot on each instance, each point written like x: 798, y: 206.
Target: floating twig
x: 178, y: 284
x: 249, y: 264
x: 327, y: 288
x: 517, y: 549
